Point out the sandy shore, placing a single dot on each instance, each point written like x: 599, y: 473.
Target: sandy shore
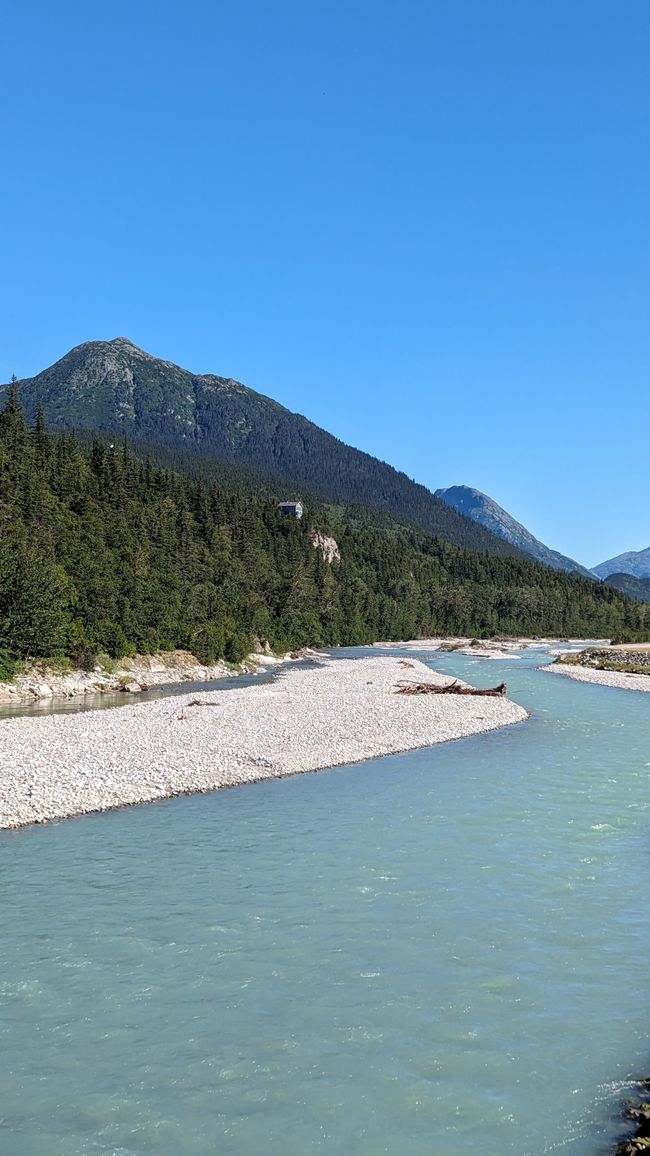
x: 341, y: 712
x: 615, y: 678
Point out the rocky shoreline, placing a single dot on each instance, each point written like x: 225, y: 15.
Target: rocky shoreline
x: 341, y: 711
x: 131, y: 676
x: 637, y: 1113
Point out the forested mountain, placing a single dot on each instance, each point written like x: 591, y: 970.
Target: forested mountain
x: 112, y: 386
x: 484, y: 510
x: 102, y: 550
x: 635, y: 562
x: 638, y: 588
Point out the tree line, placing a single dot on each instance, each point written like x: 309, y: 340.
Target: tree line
x: 105, y: 550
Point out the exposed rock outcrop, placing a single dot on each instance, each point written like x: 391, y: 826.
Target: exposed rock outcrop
x: 327, y: 546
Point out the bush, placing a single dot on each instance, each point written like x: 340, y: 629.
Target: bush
x: 207, y: 643
x: 113, y: 640
x: 237, y: 647
x: 84, y: 657
x: 8, y: 666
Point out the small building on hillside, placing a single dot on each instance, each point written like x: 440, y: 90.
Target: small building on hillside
x: 291, y: 509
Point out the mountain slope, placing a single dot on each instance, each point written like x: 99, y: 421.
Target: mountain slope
x: 113, y: 386
x: 484, y: 510
x: 635, y: 562
x: 637, y: 588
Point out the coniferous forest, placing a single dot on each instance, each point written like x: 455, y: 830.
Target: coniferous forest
x: 105, y: 550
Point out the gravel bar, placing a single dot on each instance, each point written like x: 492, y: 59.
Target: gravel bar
x: 342, y: 711
x: 615, y: 678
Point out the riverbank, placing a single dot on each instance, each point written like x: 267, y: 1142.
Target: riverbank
x: 342, y: 711
x: 129, y: 675
x: 57, y: 681
x: 613, y: 678
x: 637, y: 1113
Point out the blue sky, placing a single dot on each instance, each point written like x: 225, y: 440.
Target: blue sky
x: 424, y: 225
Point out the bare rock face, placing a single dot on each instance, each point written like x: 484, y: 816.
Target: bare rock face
x: 327, y: 546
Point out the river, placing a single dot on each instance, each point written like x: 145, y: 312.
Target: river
x: 437, y: 953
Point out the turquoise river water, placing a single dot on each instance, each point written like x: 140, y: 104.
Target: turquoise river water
x: 431, y: 954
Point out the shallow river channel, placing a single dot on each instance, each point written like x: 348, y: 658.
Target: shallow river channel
x: 433, y: 954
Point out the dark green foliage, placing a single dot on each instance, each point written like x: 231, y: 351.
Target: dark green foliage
x: 7, y: 666
x: 638, y: 588
x: 106, y: 550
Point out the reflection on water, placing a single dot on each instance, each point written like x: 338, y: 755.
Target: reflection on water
x: 434, y: 953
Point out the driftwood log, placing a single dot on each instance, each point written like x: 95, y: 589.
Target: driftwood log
x: 452, y: 688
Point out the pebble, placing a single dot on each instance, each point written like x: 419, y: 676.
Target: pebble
x: 615, y: 678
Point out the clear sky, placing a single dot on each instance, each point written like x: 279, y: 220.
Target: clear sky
x: 423, y: 224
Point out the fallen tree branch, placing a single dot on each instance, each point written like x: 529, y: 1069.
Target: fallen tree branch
x: 452, y: 688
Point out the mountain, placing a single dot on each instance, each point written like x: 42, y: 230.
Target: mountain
x: 485, y: 511
x: 637, y: 588
x: 635, y: 562
x: 114, y: 387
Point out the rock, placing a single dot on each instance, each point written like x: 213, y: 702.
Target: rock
x: 639, y: 1112
x: 327, y: 546
x: 43, y: 690
x: 131, y: 687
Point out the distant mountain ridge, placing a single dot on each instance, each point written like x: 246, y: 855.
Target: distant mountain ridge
x: 113, y: 386
x: 635, y: 562
x: 484, y: 510
x: 637, y: 588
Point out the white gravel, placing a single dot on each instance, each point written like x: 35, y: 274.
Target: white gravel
x: 343, y: 711
x: 616, y: 678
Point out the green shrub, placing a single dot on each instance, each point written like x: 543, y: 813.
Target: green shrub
x: 8, y: 667
x: 623, y: 667
x: 237, y: 647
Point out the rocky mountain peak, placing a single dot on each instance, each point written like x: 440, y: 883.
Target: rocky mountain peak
x: 482, y: 509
